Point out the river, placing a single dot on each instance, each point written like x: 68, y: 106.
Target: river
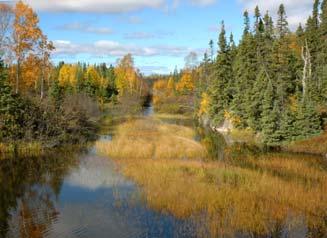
x: 82, y: 194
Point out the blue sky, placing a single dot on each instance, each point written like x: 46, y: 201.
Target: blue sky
x: 159, y: 33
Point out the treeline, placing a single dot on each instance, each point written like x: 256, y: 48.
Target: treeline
x: 53, y: 104
x: 175, y: 93
x: 274, y: 81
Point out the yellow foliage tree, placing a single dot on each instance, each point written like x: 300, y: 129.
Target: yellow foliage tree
x: 30, y: 72
x: 25, y: 35
x: 127, y: 79
x: 186, y: 84
x: 171, y: 85
x: 93, y: 76
x: 204, y: 104
x: 68, y: 75
x: 159, y: 90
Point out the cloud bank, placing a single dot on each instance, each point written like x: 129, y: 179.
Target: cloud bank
x: 116, y: 49
x: 106, y: 6
x: 97, y: 6
x: 297, y: 10
x: 81, y: 27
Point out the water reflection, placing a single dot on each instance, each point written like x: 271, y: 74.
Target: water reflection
x: 80, y: 195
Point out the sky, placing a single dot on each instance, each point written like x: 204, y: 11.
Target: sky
x: 159, y: 33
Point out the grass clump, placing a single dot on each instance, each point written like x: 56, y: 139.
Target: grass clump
x: 151, y: 139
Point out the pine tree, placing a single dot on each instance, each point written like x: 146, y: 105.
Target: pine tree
x: 312, y: 41
x: 11, y: 109
x: 282, y: 23
x: 244, y: 70
x: 321, y: 81
x: 219, y: 92
x: 56, y: 93
x: 211, y: 47
x: 246, y: 23
x: 269, y: 26
x: 307, y: 121
x: 269, y: 116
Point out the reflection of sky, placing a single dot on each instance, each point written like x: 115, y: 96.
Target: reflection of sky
x: 96, y: 201
x: 94, y: 173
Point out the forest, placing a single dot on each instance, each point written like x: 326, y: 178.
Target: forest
x: 47, y: 105
x: 232, y: 145
x: 273, y: 83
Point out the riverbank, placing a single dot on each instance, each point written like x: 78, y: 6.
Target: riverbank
x: 315, y: 145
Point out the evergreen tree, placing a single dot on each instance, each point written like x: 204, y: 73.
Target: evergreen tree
x: 269, y: 116
x: 219, y: 92
x: 282, y: 23
x: 246, y: 23
x: 321, y: 81
x: 56, y: 93
x: 244, y: 68
x: 11, y: 109
x: 259, y: 81
x: 307, y: 121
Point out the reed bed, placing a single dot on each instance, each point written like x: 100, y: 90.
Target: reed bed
x: 21, y: 149
x: 255, y: 195
x: 315, y: 145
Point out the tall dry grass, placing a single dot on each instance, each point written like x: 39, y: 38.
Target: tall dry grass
x: 315, y: 145
x: 21, y: 149
x: 150, y: 138
x: 253, y: 195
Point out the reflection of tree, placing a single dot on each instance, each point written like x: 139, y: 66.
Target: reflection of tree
x: 36, y: 212
x: 28, y: 190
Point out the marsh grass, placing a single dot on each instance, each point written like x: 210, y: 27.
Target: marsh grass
x: 152, y: 139
x: 257, y: 195
x: 315, y: 145
x: 21, y: 149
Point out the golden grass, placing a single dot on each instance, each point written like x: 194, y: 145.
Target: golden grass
x: 245, y: 199
x: 150, y: 138
x: 251, y: 195
x: 21, y: 149
x: 315, y: 145
x: 172, y: 116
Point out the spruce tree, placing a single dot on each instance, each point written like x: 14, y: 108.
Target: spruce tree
x: 219, y: 92
x: 11, y: 109
x: 269, y: 116
x: 282, y: 23
x: 244, y: 68
x: 321, y: 81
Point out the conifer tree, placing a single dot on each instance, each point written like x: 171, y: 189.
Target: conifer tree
x: 244, y: 69
x: 11, y: 109
x: 219, y: 92
x: 269, y: 116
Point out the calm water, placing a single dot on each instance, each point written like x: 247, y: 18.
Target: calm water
x: 84, y: 195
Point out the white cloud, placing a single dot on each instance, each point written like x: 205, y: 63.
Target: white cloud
x: 113, y: 48
x: 99, y: 6
x: 297, y: 10
x: 75, y: 26
x: 141, y: 35
x: 149, y: 69
x: 203, y: 3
